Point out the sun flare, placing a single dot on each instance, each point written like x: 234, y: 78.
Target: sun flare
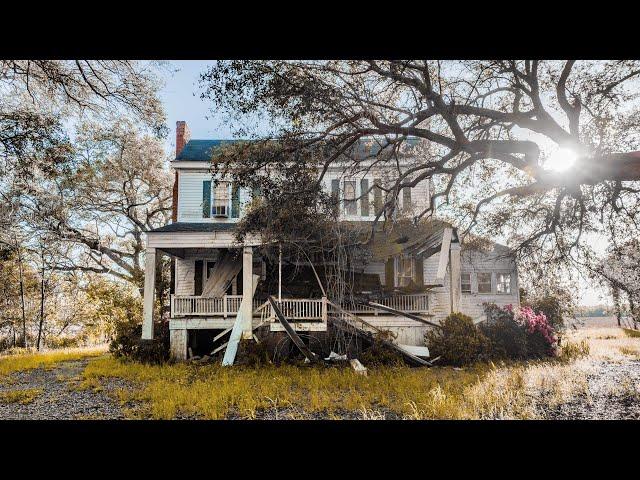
x: 560, y: 160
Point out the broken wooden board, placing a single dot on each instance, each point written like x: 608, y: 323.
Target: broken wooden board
x: 416, y: 350
x: 238, y: 328
x: 402, y: 314
x: 223, y: 272
x: 312, y: 357
x: 350, y: 325
x: 444, y: 255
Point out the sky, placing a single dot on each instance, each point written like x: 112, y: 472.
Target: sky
x: 181, y: 98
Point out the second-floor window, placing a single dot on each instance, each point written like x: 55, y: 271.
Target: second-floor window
x: 221, y: 200
x: 405, y: 270
x: 465, y: 282
x: 350, y: 205
x: 484, y: 282
x: 503, y: 283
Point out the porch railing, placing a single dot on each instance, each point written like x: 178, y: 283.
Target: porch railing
x: 299, y: 309
x: 195, y: 305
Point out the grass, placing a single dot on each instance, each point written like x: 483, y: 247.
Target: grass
x: 21, y: 360
x: 215, y: 392
x: 24, y: 397
x: 629, y: 332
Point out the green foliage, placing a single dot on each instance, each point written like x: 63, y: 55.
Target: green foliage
x: 507, y: 339
x: 378, y: 354
x: 554, y: 306
x: 128, y: 344
x: 572, y: 350
x: 458, y: 342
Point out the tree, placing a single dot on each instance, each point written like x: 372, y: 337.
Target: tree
x: 620, y: 270
x: 488, y: 129
x: 99, y: 206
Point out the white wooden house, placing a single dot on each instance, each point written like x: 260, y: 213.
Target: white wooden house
x: 211, y: 289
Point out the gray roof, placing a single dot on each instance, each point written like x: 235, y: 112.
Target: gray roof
x: 196, y: 227
x: 201, y: 150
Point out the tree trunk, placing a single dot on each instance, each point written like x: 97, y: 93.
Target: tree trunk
x: 41, y: 303
x: 24, y: 315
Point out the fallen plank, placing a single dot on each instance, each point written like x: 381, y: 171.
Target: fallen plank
x: 402, y: 314
x: 416, y: 350
x: 312, y: 357
x: 238, y: 326
x: 222, y: 334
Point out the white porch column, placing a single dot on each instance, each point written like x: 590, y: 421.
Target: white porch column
x: 247, y: 291
x: 455, y: 277
x: 149, y: 293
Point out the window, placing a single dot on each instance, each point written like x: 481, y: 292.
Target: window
x: 503, y: 283
x: 364, y: 197
x: 221, y: 200
x: 484, y: 282
x: 406, y: 199
x: 350, y: 205
x: 465, y: 282
x: 210, y: 266
x: 405, y: 270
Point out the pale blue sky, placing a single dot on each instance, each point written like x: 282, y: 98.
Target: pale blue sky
x: 181, y: 97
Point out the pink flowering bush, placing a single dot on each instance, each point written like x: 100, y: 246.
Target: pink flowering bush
x: 519, y: 332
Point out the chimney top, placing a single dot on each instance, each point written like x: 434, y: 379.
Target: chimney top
x: 183, y: 135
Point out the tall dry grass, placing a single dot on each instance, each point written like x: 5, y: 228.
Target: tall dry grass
x: 24, y: 359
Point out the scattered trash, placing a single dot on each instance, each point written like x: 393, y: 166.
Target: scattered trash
x: 358, y: 367
x: 334, y: 357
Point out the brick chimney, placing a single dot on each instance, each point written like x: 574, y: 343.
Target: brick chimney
x: 183, y: 135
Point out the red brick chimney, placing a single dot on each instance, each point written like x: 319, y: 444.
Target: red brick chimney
x: 183, y: 135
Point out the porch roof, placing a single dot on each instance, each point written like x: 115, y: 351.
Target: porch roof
x: 195, y: 227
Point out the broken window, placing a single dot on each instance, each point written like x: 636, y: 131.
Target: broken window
x: 221, y: 200
x: 503, y: 283
x: 405, y: 270
x: 465, y: 282
x: 350, y: 205
x: 484, y: 282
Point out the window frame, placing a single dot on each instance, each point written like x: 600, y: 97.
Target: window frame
x: 400, y: 272
x: 462, y: 290
x: 498, y: 283
x: 221, y: 186
x: 351, y: 203
x: 490, y: 274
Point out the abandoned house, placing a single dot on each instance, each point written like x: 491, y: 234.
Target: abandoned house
x: 416, y: 274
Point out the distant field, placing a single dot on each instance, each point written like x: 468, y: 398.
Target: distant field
x: 599, y: 322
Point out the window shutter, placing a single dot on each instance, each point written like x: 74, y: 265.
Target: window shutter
x: 206, y: 198
x: 389, y: 273
x: 335, y: 193
x: 364, y: 197
x: 235, y: 202
x: 419, y: 276
x: 377, y: 196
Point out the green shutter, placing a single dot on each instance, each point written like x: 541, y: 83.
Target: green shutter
x: 235, y: 202
x: 335, y: 193
x: 419, y: 277
x: 389, y: 274
x: 206, y: 198
x: 364, y: 197
x: 406, y: 199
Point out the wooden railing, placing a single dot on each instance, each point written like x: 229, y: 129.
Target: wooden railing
x: 195, y: 305
x: 413, y: 303
x: 297, y: 309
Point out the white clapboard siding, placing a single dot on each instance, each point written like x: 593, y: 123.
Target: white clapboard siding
x: 190, y: 198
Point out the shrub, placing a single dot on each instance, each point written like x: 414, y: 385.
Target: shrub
x: 379, y: 354
x: 518, y: 334
x: 127, y: 342
x: 458, y: 342
x: 507, y: 338
x: 554, y: 308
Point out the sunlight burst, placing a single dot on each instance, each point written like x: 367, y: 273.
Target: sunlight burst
x: 560, y: 160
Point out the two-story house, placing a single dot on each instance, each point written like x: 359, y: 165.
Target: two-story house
x: 421, y: 268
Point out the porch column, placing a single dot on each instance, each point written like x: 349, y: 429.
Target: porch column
x: 178, y: 344
x: 455, y: 277
x: 247, y: 291
x: 149, y: 293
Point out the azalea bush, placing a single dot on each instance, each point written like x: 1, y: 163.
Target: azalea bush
x: 519, y: 332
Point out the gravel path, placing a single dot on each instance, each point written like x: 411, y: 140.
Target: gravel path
x: 59, y: 400
x: 613, y: 394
